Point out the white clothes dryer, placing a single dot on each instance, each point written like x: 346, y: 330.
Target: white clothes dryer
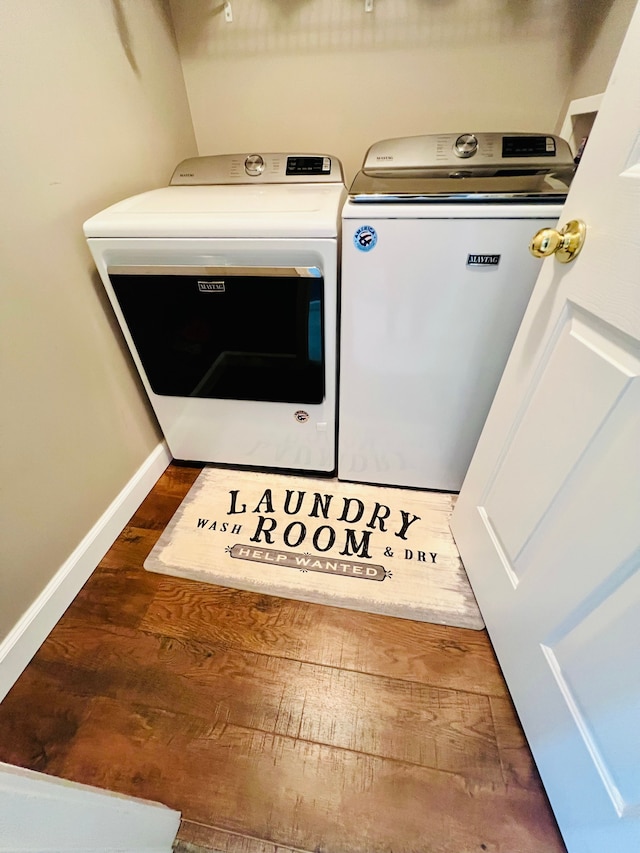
x: 436, y: 276
x: 225, y: 285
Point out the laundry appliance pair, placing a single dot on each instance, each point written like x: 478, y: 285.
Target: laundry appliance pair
x: 227, y: 287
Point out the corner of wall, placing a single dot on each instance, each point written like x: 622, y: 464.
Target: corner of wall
x: 31, y: 630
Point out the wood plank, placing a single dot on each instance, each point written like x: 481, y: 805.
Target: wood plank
x: 197, y: 838
x: 442, y: 729
x: 159, y: 506
x: 129, y: 551
x: 300, y: 794
x: 157, y: 513
x: 118, y: 592
x: 177, y: 479
x: 379, y: 645
x: 518, y: 767
x: 38, y: 721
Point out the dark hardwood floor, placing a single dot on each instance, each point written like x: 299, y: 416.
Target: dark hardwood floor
x: 275, y: 725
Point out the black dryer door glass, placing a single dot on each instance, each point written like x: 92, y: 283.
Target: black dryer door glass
x: 239, y: 334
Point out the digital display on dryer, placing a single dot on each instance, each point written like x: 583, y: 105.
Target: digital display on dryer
x: 308, y: 165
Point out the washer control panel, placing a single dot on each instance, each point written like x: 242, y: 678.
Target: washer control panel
x: 443, y: 152
x: 258, y: 168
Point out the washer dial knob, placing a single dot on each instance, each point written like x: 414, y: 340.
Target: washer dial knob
x: 465, y: 145
x: 254, y: 165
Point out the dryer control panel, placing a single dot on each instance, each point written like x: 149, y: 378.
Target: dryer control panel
x: 258, y: 168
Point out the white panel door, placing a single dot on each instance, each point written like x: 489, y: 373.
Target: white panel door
x: 548, y: 519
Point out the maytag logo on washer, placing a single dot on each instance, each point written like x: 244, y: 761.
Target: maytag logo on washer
x: 483, y: 260
x: 211, y: 286
x: 365, y: 238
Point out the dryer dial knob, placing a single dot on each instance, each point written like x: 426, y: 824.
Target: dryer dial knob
x: 465, y: 145
x: 254, y: 165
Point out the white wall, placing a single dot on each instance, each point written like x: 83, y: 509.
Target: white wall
x: 603, y: 35
x: 93, y: 109
x: 323, y: 74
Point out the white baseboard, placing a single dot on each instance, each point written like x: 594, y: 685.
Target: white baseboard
x: 31, y: 630
x: 48, y: 815
x: 42, y: 814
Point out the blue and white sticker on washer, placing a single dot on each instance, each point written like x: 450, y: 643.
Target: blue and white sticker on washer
x: 365, y: 238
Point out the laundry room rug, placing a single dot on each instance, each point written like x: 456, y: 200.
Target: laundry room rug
x: 371, y: 548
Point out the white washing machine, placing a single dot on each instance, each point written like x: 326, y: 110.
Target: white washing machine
x: 225, y: 285
x: 436, y: 275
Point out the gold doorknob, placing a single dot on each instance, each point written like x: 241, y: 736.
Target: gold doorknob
x: 565, y: 244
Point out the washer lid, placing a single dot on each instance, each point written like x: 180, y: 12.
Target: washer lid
x: 293, y: 210
x: 544, y: 189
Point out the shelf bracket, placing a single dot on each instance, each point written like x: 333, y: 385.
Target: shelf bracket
x: 228, y: 12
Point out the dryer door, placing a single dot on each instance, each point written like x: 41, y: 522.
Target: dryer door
x: 235, y: 333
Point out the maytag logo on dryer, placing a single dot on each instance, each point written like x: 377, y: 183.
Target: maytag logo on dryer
x: 483, y: 260
x: 211, y: 286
